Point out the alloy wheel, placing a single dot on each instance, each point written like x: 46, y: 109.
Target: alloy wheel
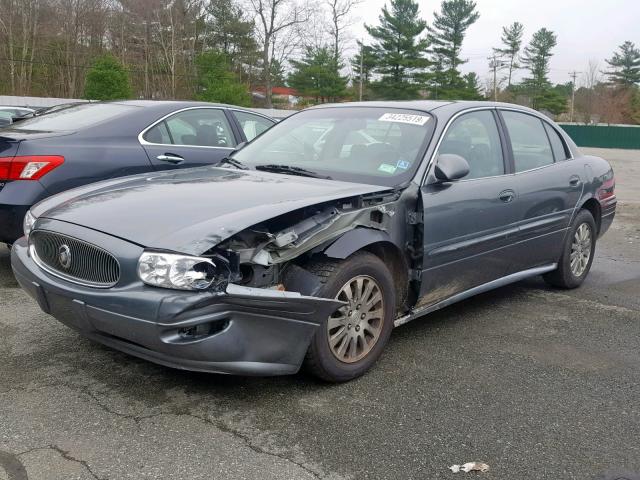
x: 355, y: 328
x: 581, y: 249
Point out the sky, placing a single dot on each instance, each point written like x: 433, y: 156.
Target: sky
x: 586, y: 29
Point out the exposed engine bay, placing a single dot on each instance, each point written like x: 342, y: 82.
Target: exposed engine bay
x: 258, y: 256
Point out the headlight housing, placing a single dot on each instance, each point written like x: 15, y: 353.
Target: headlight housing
x: 181, y: 272
x: 27, y: 224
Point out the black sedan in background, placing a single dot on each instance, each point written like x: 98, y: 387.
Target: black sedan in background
x: 85, y: 143
x: 338, y: 224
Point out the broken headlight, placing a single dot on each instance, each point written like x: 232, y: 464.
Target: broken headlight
x: 180, y: 272
x: 27, y: 224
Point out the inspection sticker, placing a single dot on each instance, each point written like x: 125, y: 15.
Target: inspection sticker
x: 386, y: 168
x: 403, y: 164
x: 404, y: 118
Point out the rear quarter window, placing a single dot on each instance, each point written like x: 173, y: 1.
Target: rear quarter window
x: 560, y: 150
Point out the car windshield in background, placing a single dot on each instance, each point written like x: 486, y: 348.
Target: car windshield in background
x: 366, y: 145
x: 75, y: 118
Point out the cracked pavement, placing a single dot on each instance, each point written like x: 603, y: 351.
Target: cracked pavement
x: 536, y: 382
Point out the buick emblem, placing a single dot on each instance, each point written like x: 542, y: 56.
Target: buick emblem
x: 64, y: 256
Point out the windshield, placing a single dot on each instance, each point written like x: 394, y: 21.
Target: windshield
x: 75, y: 118
x: 380, y: 146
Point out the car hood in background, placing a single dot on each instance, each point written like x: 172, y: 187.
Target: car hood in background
x: 191, y: 210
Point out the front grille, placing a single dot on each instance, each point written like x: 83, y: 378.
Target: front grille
x: 74, y: 260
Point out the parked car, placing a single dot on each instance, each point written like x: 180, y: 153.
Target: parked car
x: 295, y: 254
x: 9, y: 115
x: 86, y: 143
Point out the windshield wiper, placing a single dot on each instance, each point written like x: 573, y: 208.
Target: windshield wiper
x: 291, y: 170
x: 233, y: 162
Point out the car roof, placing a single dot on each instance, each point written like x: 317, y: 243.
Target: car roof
x: 451, y: 106
x: 173, y: 104
x: 164, y: 107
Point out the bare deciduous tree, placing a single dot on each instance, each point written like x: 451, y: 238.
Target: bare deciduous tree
x: 591, y: 78
x: 340, y: 12
x: 276, y: 30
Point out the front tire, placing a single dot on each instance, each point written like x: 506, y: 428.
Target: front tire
x: 577, y: 255
x: 349, y: 342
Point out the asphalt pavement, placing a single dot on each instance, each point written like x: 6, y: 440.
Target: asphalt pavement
x: 537, y: 383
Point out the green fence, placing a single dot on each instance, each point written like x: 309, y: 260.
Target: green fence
x: 604, y: 136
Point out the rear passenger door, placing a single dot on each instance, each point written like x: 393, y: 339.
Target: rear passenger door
x: 189, y: 138
x: 549, y: 186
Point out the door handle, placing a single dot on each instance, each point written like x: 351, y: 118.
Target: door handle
x: 507, y: 196
x: 574, y: 181
x: 171, y: 158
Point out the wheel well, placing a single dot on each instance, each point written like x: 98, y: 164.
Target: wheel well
x: 393, y: 258
x: 593, y: 206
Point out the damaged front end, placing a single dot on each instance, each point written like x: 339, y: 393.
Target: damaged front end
x: 231, y: 329
x: 263, y: 255
x: 245, y: 306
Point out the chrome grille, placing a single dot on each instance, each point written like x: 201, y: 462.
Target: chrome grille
x: 74, y: 260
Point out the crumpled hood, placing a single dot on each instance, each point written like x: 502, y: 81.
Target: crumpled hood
x: 191, y: 210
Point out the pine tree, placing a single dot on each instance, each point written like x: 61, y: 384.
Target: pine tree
x: 229, y: 30
x: 512, y: 43
x: 399, y: 50
x: 318, y: 75
x: 277, y: 73
x: 107, y: 79
x: 367, y: 59
x: 216, y: 83
x: 471, y: 90
x: 625, y: 65
x: 445, y: 37
x: 536, y: 58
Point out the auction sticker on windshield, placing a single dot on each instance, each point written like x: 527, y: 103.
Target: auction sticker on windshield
x: 404, y: 118
x: 386, y: 168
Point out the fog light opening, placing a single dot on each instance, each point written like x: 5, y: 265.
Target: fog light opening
x: 203, y: 330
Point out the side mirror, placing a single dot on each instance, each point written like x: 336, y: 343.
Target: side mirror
x: 450, y: 167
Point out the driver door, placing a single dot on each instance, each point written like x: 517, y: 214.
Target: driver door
x: 468, y: 223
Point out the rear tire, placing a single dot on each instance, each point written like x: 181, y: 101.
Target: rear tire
x: 577, y: 254
x: 349, y: 342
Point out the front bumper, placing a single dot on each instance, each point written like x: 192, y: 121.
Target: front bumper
x: 244, y: 331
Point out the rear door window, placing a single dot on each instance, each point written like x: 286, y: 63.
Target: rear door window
x: 529, y: 141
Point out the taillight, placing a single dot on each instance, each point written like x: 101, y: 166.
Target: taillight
x: 607, y: 190
x: 28, y: 167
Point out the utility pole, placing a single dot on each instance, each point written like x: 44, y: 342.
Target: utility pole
x: 361, y: 66
x: 494, y: 64
x: 573, y: 76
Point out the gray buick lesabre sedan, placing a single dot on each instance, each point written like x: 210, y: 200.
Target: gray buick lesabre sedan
x: 311, y: 243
